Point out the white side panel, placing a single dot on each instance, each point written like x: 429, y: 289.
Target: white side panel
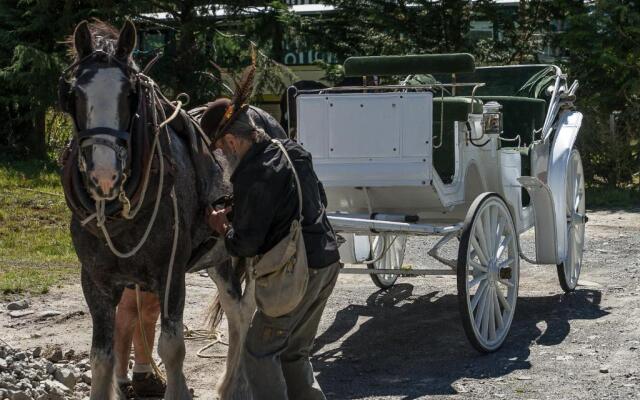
x: 542, y: 201
x: 364, y: 126
x: 416, y: 121
x: 511, y: 189
x: 313, y: 132
x: 567, y: 131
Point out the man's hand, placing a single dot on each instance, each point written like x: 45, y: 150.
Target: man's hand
x: 217, y: 220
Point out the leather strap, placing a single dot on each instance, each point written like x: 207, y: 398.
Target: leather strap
x: 295, y: 174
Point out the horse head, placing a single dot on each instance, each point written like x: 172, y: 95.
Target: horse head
x: 101, y: 97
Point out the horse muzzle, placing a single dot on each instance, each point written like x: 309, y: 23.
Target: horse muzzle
x: 104, y: 183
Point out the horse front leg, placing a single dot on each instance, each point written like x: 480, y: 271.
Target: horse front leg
x: 171, y: 346
x: 102, y: 306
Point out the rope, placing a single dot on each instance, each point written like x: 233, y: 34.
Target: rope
x: 176, y: 231
x: 214, y: 337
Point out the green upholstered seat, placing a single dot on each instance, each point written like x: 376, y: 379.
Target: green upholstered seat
x: 500, y: 81
x: 521, y: 116
x: 411, y: 64
x: 455, y: 109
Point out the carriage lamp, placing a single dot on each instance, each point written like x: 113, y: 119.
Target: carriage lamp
x: 492, y: 118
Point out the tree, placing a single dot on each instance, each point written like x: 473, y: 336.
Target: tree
x: 604, y: 55
x: 32, y: 33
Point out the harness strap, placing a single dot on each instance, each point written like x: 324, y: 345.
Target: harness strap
x: 295, y: 175
x: 87, y: 133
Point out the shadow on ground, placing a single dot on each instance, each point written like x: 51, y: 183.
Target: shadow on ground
x: 412, y: 346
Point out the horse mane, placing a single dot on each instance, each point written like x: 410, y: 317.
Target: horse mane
x: 104, y: 35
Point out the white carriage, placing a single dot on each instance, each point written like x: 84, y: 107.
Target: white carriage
x: 480, y: 155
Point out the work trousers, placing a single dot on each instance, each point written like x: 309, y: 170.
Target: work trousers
x: 277, y: 350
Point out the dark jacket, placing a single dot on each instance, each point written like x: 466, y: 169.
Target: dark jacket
x: 266, y: 202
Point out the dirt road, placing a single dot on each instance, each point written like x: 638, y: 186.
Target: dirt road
x: 408, y: 343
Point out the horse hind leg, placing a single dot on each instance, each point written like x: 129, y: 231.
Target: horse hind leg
x: 239, y: 308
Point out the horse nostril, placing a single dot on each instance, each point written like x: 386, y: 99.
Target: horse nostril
x: 94, y: 180
x: 114, y: 177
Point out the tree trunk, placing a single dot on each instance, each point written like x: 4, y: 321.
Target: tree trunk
x: 35, y: 137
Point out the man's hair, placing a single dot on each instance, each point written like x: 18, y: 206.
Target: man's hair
x: 245, y: 128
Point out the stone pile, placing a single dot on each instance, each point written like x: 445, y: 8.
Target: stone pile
x: 43, y: 374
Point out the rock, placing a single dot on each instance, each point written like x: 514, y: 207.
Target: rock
x: 48, y: 314
x: 20, y: 356
x: 37, y: 352
x: 86, y: 377
x: 53, y: 354
x: 3, y: 364
x: 604, y: 369
x: 84, y: 364
x: 66, y: 376
x: 69, y: 354
x: 18, y: 305
x: 19, y: 395
x: 51, y: 386
x: 20, y: 314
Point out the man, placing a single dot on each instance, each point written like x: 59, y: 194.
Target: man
x: 144, y: 382
x: 277, y: 350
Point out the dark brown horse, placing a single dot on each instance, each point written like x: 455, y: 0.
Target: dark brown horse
x: 138, y: 186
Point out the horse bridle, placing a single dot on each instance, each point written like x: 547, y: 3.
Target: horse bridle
x: 87, y: 137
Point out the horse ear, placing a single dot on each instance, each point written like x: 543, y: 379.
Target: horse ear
x: 82, y: 40
x: 126, y: 40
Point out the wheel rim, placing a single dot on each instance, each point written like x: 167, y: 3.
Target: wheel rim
x: 492, y: 274
x: 392, y: 258
x: 575, y: 220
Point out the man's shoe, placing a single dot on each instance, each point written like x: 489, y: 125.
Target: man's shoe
x: 126, y: 391
x: 147, y: 384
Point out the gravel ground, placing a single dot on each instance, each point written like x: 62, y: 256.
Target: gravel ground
x: 408, y: 343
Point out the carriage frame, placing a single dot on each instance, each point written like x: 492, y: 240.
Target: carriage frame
x: 393, y: 165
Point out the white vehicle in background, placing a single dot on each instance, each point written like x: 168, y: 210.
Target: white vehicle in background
x: 480, y: 155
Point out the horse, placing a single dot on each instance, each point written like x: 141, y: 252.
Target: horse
x: 137, y: 177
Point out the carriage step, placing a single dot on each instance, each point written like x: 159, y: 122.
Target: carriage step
x: 401, y: 272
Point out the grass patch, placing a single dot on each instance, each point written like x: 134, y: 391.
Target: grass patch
x: 612, y: 198
x: 35, y: 245
x: 33, y: 279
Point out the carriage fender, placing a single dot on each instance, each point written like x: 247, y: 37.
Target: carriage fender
x: 549, y: 197
x: 561, y: 146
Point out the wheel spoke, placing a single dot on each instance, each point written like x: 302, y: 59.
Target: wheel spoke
x: 478, y: 296
x: 510, y: 285
x: 481, y: 239
x: 477, y: 280
x: 492, y: 313
x: 477, y: 266
x: 486, y: 315
x: 503, y: 246
x: 506, y: 262
x: 498, y: 311
x: 503, y: 300
x: 500, y: 230
x: 486, y: 231
x: 476, y: 246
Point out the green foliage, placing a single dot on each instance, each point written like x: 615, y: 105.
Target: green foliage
x: 381, y: 27
x: 604, y: 55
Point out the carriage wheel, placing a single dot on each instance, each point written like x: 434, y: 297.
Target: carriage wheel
x: 569, y: 270
x: 392, y: 259
x: 488, y: 272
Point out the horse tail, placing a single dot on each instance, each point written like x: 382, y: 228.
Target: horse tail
x: 236, y: 274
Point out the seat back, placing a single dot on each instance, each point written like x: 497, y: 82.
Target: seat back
x: 454, y: 109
